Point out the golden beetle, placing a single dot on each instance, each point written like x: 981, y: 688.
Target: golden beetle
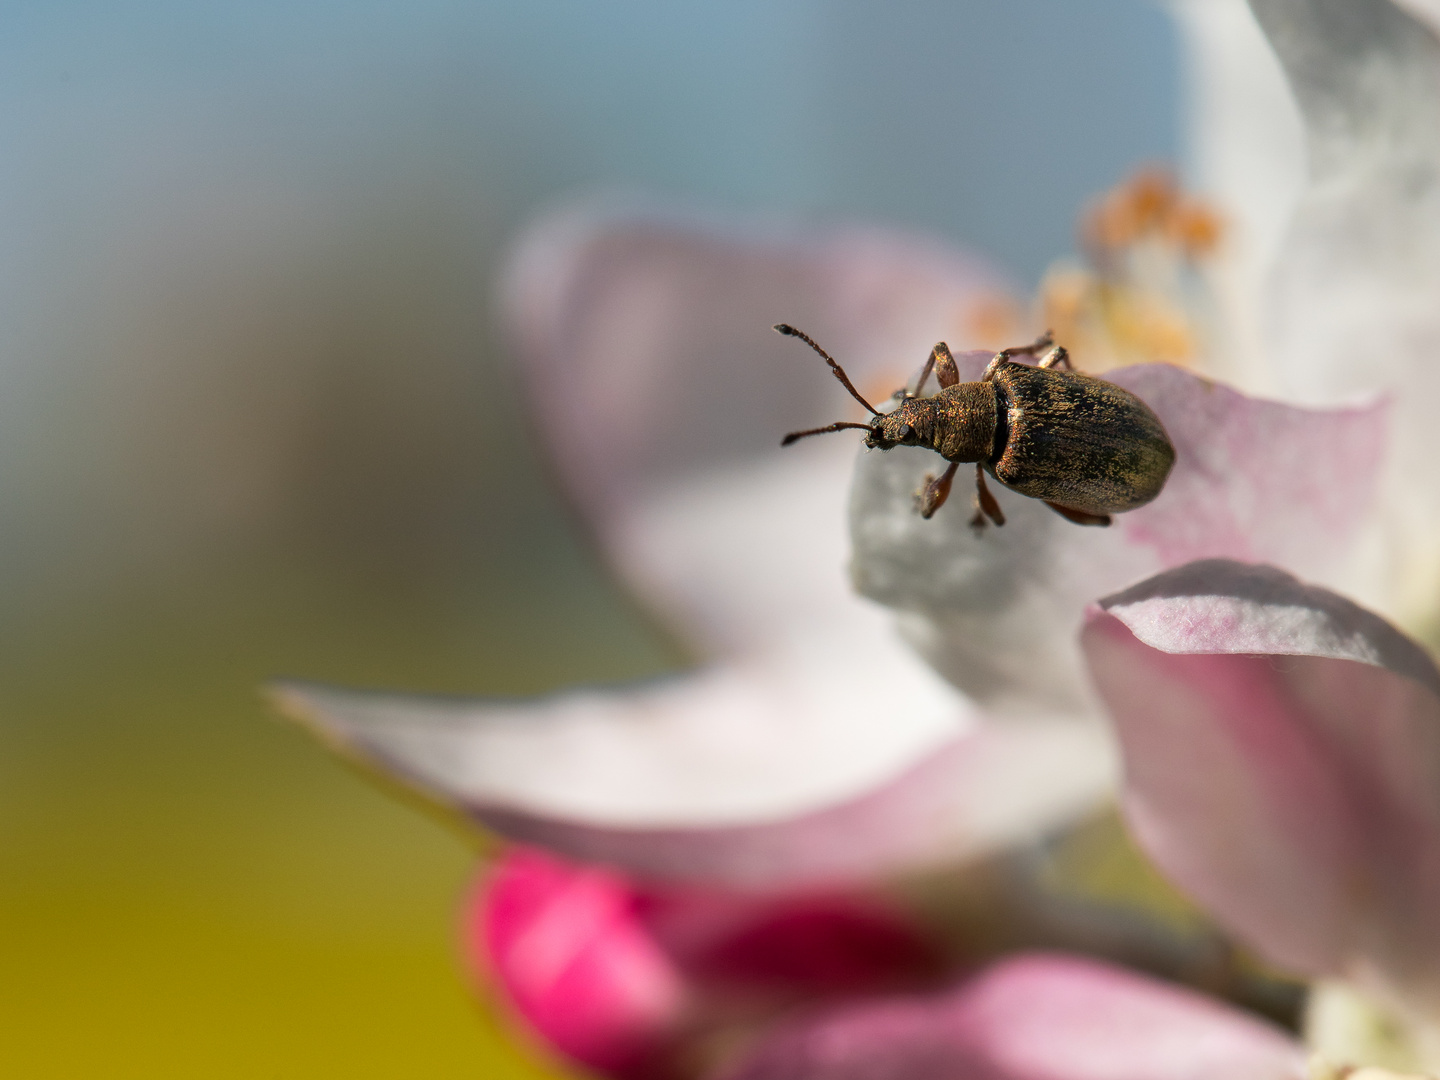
x: 1085, y: 447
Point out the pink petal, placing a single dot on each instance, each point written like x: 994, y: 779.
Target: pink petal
x: 637, y: 790
x: 619, y: 977
x: 1255, y: 480
x: 1282, y: 759
x: 808, y: 944
x: 567, y: 946
x: 1035, y: 1017
x: 998, y: 614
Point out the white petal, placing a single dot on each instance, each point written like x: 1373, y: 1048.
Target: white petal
x: 1246, y: 154
x: 751, y: 778
x: 1355, y: 309
x: 733, y: 744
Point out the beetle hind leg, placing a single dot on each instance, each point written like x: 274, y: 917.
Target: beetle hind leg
x: 1039, y: 345
x: 985, y: 504
x: 1079, y: 517
x: 1057, y: 357
x: 936, y: 490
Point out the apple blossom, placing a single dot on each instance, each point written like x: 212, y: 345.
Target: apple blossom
x: 812, y: 752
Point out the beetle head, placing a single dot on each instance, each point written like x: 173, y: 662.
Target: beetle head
x: 906, y: 426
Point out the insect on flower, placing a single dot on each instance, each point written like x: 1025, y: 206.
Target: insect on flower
x: 1083, y: 446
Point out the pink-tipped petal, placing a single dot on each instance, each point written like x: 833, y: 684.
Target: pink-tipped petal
x: 1282, y: 765
x: 998, y: 613
x: 1034, y: 1017
x: 620, y: 780
x: 568, y: 948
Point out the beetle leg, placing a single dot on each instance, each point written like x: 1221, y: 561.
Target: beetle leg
x: 946, y: 374
x: 1079, y: 517
x: 936, y: 490
x: 985, y: 504
x: 1058, y: 357
x: 924, y: 375
x: 1040, y: 344
x: 943, y: 364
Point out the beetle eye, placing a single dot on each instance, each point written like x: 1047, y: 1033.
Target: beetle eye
x: 904, y: 431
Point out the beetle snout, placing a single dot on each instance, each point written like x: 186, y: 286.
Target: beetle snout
x: 893, y: 429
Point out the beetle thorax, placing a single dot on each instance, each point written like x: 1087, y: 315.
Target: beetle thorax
x: 966, y: 418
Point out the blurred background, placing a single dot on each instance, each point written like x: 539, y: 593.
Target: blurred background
x: 255, y: 419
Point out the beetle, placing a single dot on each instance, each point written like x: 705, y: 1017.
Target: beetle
x: 1083, y: 446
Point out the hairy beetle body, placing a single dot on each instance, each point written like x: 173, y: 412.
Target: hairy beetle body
x: 1085, y: 447
x: 1078, y: 441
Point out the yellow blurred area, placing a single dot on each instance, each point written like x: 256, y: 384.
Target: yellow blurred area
x: 310, y: 468
x: 190, y: 889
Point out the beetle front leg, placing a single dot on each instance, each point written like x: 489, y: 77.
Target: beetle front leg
x: 943, y: 364
x: 936, y: 490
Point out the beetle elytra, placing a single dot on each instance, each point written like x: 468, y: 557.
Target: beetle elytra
x: 1083, y: 446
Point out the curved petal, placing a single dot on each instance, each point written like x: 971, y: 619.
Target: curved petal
x: 663, y: 782
x: 1282, y: 764
x: 998, y: 613
x: 1353, y: 309
x: 1035, y: 1017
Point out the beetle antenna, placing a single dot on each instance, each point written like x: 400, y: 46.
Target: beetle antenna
x: 837, y: 426
x: 790, y: 331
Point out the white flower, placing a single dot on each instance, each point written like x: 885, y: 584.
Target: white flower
x: 1297, y: 790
